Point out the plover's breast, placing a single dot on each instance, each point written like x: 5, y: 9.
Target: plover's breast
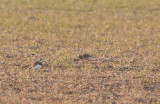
x: 37, y: 67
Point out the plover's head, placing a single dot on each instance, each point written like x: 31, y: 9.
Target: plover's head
x: 41, y: 60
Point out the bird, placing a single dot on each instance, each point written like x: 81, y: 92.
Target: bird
x: 37, y: 64
x: 85, y: 56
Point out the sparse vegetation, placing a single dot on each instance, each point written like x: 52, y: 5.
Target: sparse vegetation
x: 121, y: 37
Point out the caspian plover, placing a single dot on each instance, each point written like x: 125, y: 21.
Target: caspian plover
x: 37, y: 64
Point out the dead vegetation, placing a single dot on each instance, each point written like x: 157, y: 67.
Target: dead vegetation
x: 97, y: 51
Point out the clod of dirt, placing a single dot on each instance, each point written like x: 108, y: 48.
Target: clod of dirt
x: 75, y: 59
x: 11, y: 56
x: 25, y: 66
x: 33, y: 54
x: 85, y: 56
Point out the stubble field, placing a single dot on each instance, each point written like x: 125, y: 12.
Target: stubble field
x: 122, y: 38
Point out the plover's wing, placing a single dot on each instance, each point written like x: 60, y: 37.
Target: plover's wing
x: 37, y: 62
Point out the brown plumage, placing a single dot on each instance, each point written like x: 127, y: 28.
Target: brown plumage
x: 85, y: 56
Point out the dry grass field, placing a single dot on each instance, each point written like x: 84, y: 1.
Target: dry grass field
x: 122, y: 38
